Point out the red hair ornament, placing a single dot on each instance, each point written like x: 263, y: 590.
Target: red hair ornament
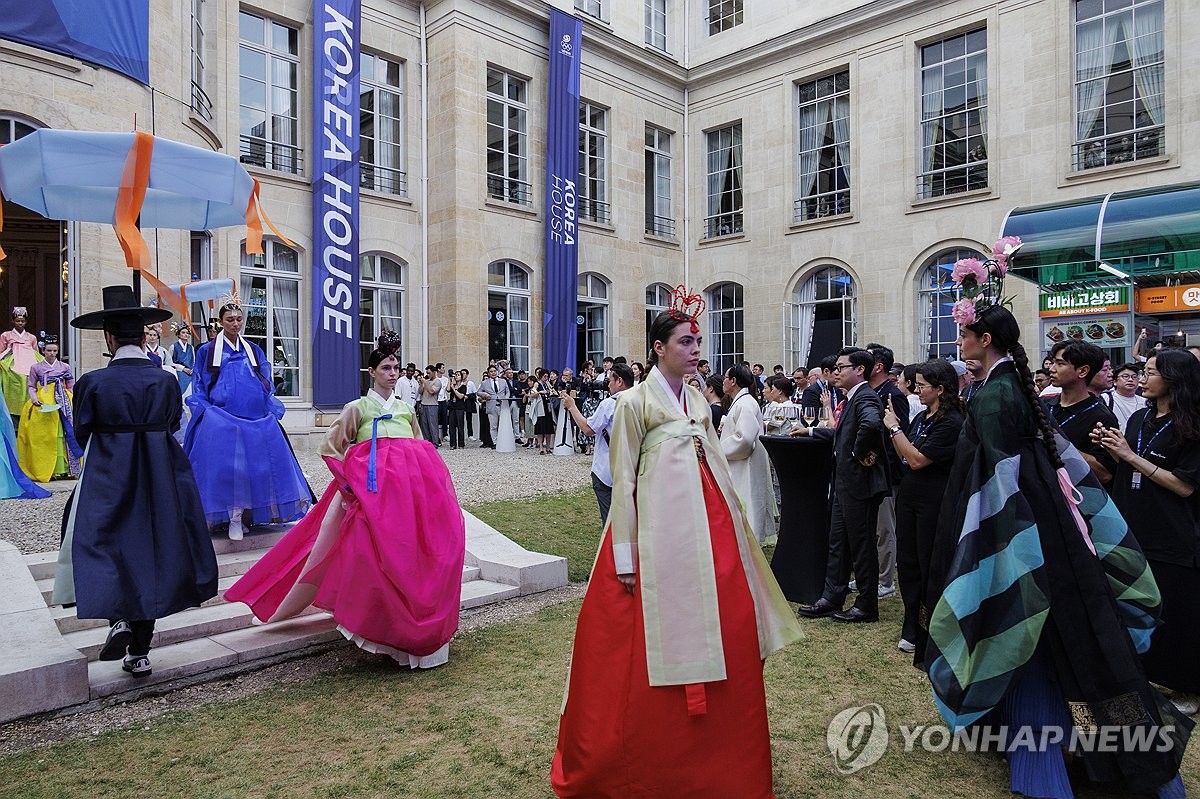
x: 686, y: 307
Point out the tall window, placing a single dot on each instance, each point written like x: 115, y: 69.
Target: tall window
x: 724, y: 181
x: 726, y: 325
x: 1119, y: 99
x: 593, y: 307
x: 659, y: 219
x: 590, y: 7
x: 658, y: 299
x: 508, y: 137
x: 201, y: 105
x: 954, y: 115
x: 723, y: 15
x: 824, y: 160
x: 381, y: 128
x: 593, y: 162
x: 508, y: 313
x: 270, y: 294
x: 656, y: 24
x: 821, y: 316
x: 269, y: 94
x: 936, y: 295
x: 380, y: 305
x: 200, y: 258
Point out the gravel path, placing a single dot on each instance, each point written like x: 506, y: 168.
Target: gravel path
x: 479, y: 475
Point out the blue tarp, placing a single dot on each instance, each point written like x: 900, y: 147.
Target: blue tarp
x: 108, y: 33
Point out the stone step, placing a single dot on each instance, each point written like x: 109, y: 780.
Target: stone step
x: 484, y: 592
x: 198, y: 657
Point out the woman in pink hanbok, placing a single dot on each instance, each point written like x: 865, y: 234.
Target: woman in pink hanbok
x: 383, y: 550
x: 18, y: 354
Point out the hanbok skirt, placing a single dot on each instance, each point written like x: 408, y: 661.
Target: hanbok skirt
x: 621, y: 737
x: 14, y: 484
x: 14, y: 385
x: 42, y: 444
x: 392, y: 578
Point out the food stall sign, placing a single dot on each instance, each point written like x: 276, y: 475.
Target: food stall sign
x: 1168, y: 298
x: 1084, y: 301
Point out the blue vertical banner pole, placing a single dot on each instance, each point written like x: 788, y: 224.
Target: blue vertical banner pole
x: 562, y: 172
x: 335, y: 270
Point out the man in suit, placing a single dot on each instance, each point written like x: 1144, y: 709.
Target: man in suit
x: 491, y: 391
x: 860, y: 481
x: 885, y: 533
x: 811, y: 396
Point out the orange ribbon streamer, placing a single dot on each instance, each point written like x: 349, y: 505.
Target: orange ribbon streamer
x: 254, y: 233
x: 130, y: 197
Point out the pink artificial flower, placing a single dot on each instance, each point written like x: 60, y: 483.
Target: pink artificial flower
x: 1006, y: 247
x: 964, y: 312
x: 969, y: 267
x: 1001, y: 265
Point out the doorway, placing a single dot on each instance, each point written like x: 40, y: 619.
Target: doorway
x: 36, y: 274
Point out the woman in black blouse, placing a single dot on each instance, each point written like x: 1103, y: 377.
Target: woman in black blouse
x: 927, y: 455
x: 1154, y: 487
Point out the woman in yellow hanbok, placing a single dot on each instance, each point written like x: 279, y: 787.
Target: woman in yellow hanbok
x: 46, y: 446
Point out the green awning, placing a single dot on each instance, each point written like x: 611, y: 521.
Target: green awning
x: 1141, y: 232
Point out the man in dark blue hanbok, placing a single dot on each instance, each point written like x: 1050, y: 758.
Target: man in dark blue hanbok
x: 135, y: 545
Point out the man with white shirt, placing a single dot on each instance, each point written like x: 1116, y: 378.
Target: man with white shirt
x: 407, y: 387
x: 443, y: 400
x: 1123, y: 399
x: 620, y: 377
x: 428, y: 406
x: 471, y: 404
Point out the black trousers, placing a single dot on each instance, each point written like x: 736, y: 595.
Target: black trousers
x: 143, y: 631
x: 916, y: 525
x: 470, y: 414
x: 457, y: 423
x: 444, y: 416
x: 485, y: 429
x: 852, y: 541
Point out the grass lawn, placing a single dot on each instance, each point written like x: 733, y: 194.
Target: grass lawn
x: 485, y: 724
x: 566, y: 524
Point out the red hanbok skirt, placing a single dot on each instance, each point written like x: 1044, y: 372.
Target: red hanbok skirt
x: 620, y: 737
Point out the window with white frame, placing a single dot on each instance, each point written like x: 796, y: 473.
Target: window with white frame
x: 954, y: 153
x: 380, y: 306
x: 507, y: 137
x: 201, y: 104
x: 655, y: 23
x: 724, y: 171
x: 593, y: 162
x: 1119, y: 82
x: 381, y: 128
x: 820, y: 317
x: 936, y: 295
x: 593, y: 307
x: 508, y: 313
x: 658, y: 299
x: 659, y: 218
x: 823, y: 163
x: 12, y: 129
x: 270, y: 295
x: 268, y: 94
x: 200, y: 258
x: 592, y: 8
x: 723, y: 15
x: 726, y: 326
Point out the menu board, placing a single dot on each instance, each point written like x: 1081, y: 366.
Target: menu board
x: 1107, y: 330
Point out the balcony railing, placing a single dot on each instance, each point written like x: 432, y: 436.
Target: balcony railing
x: 956, y: 179
x: 660, y: 226
x: 200, y: 103
x: 383, y: 178
x: 594, y: 210
x: 819, y: 206
x: 271, y: 155
x: 509, y: 190
x: 1119, y: 148
x: 723, y: 224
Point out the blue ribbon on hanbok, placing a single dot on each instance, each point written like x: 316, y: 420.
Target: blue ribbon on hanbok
x: 371, y: 485
x: 60, y: 394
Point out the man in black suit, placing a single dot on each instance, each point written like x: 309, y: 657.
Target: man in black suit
x: 860, y: 481
x: 811, y: 396
x: 885, y: 531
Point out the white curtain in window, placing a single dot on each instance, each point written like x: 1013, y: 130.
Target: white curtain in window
x: 841, y: 132
x: 1148, y: 50
x: 981, y: 92
x: 1093, y: 62
x: 806, y: 317
x: 714, y: 173
x: 931, y: 112
x: 285, y: 301
x: 812, y: 117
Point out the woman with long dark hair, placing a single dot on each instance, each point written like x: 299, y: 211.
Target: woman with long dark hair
x: 748, y: 461
x: 1158, y: 472
x: 718, y: 403
x: 1039, y: 606
x: 383, y: 549
x: 926, y: 456
x: 665, y: 696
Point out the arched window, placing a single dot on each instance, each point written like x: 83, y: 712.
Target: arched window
x: 725, y: 326
x: 936, y: 296
x: 658, y: 299
x: 12, y: 129
x: 380, y: 306
x: 593, y: 310
x: 508, y: 313
x: 270, y: 295
x: 821, y: 316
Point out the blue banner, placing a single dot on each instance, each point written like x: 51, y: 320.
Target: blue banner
x: 562, y: 171
x: 114, y: 34
x: 337, y: 36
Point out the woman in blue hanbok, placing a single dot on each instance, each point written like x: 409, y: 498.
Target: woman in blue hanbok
x: 14, y: 484
x: 245, y: 468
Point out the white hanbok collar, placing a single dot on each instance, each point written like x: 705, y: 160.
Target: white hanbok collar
x: 130, y: 351
x: 387, y: 404
x: 670, y: 392
x: 222, y: 342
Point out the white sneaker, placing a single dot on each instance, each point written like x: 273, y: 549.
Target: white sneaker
x: 1188, y: 704
x: 886, y: 592
x: 853, y: 585
x: 236, y: 530
x: 137, y: 665
x: 906, y: 645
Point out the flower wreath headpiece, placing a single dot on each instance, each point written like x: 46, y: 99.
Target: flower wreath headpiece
x: 686, y: 307
x: 982, y: 282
